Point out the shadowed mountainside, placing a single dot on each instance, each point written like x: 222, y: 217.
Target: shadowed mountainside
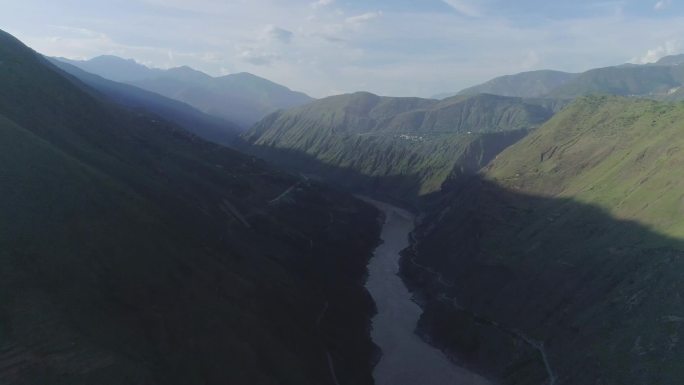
x: 132, y: 252
x: 563, y: 260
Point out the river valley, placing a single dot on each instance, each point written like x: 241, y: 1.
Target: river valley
x: 406, y: 359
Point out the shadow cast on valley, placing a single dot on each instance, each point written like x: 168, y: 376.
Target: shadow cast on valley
x: 400, y: 190
x: 407, y: 177
x: 547, y: 290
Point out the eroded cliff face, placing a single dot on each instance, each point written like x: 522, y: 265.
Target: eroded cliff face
x: 562, y: 261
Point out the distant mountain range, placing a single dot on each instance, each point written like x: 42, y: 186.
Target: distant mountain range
x: 206, y: 126
x: 660, y: 80
x: 649, y: 81
x: 241, y: 98
x: 533, y: 84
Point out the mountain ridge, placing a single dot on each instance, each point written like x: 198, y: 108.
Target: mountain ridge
x: 404, y: 146
x: 617, y: 79
x: 243, y: 98
x: 531, y: 84
x: 205, y: 126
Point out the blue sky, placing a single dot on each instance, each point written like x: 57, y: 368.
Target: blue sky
x: 324, y: 47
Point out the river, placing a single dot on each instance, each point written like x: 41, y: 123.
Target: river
x: 406, y: 359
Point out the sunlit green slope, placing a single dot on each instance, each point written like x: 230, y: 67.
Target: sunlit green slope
x: 573, y: 237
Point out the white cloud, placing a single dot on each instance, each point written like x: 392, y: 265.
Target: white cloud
x: 465, y: 7
x: 278, y: 34
x: 258, y: 58
x: 662, y: 4
x: 530, y: 61
x: 670, y: 47
x: 81, y: 43
x: 322, y: 3
x: 363, y: 18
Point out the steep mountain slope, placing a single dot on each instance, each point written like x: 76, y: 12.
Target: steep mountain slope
x: 562, y: 262
x: 532, y: 84
x: 241, y: 98
x: 398, y: 147
x: 132, y: 252
x: 203, y: 125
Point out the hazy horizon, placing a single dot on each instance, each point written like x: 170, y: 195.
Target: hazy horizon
x: 328, y: 47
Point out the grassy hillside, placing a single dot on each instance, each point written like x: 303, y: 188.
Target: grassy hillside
x: 564, y: 258
x: 398, y: 147
x: 628, y: 152
x: 132, y: 252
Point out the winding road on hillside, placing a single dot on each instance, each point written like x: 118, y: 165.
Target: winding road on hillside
x: 406, y: 359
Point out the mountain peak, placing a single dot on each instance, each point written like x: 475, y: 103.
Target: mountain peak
x: 188, y: 74
x: 113, y: 58
x: 245, y: 76
x: 113, y: 67
x: 187, y: 69
x: 119, y: 62
x: 248, y: 77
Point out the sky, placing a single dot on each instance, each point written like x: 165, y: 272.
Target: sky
x: 326, y: 47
